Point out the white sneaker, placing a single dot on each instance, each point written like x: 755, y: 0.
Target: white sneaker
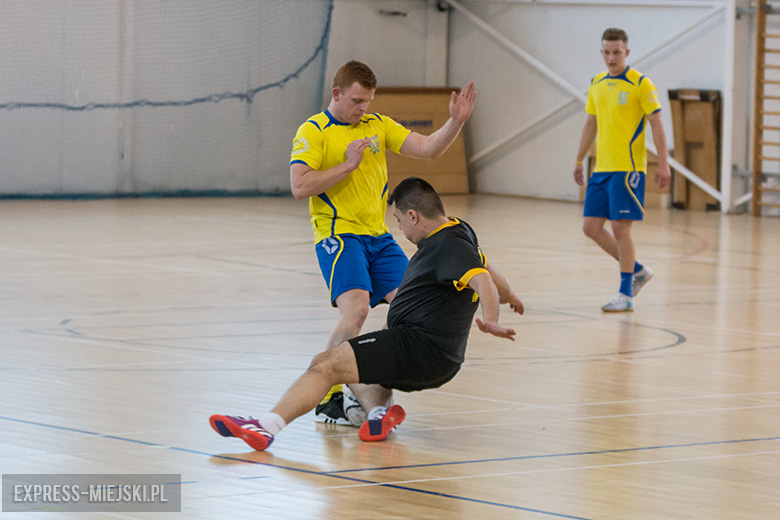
x: 620, y: 303
x: 352, y: 409
x: 640, y: 279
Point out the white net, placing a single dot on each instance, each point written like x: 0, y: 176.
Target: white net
x: 150, y: 97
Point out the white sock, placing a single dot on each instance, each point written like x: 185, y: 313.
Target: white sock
x: 376, y: 411
x: 272, y: 422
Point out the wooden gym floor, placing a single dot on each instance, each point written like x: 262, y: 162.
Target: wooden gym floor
x: 125, y: 323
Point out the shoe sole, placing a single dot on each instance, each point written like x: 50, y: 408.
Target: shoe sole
x: 218, y: 425
x: 618, y: 310
x: 329, y: 420
x: 256, y: 440
x: 379, y: 429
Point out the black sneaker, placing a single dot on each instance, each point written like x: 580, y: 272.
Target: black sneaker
x: 332, y: 412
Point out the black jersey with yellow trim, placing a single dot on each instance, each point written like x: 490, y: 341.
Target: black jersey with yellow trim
x: 434, y: 296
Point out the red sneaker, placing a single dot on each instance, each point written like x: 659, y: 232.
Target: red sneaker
x: 378, y: 429
x: 245, y: 428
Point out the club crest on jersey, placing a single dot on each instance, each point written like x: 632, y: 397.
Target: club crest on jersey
x: 374, y: 144
x: 300, y: 146
x: 653, y: 96
x: 331, y: 245
x: 622, y: 98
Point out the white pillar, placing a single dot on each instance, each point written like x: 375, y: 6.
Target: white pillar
x: 727, y: 110
x: 126, y: 83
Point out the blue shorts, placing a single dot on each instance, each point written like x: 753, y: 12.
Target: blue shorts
x: 374, y: 264
x: 616, y: 195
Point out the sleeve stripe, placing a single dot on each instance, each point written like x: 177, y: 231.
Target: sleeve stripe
x: 466, y: 278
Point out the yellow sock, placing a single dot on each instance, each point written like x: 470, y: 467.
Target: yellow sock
x: 333, y: 389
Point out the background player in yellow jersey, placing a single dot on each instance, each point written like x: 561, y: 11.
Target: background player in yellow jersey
x: 338, y: 162
x: 621, y: 101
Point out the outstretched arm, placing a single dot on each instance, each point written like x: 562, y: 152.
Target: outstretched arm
x: 484, y: 286
x: 434, y: 145
x: 505, y: 293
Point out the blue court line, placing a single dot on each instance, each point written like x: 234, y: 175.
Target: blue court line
x: 299, y: 470
x: 570, y: 454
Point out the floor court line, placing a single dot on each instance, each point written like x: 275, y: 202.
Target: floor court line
x: 577, y: 468
x: 299, y: 470
x: 450, y: 463
x: 402, y: 485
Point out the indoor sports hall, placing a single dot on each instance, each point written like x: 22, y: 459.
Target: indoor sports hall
x: 156, y: 269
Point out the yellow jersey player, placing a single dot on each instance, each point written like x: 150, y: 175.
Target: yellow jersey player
x: 621, y: 101
x: 338, y: 162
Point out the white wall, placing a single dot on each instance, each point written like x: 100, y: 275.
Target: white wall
x: 43, y: 58
x: 564, y: 36
x: 403, y: 41
x: 74, y: 52
x: 79, y: 51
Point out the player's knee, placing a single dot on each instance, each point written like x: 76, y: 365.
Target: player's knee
x: 355, y: 318
x: 354, y: 306
x: 621, y: 230
x: 319, y: 365
x: 324, y: 363
x: 591, y: 230
x: 360, y: 315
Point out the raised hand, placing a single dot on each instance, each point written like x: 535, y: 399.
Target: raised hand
x: 461, y: 105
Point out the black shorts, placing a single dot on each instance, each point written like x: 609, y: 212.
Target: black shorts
x: 401, y: 358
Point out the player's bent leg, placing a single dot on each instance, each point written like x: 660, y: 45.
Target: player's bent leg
x: 621, y: 229
x: 366, y: 397
x: 336, y: 365
x: 593, y: 227
x: 353, y: 306
x: 624, y: 301
x: 326, y: 368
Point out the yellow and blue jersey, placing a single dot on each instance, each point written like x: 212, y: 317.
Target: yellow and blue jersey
x: 357, y: 204
x: 621, y: 104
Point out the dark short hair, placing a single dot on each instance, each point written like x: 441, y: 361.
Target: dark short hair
x: 614, y: 34
x: 353, y: 71
x: 417, y: 194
